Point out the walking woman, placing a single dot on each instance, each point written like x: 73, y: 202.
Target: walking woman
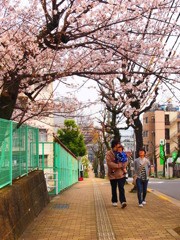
x: 141, y: 167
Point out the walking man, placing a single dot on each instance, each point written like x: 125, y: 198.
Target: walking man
x: 116, y: 174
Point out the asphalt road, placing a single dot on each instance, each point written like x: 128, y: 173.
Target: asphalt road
x: 168, y: 187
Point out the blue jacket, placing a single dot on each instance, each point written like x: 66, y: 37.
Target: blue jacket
x: 120, y: 157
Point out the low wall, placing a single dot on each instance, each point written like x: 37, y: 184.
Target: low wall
x: 21, y: 203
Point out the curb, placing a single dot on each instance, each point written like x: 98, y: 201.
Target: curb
x: 165, y: 197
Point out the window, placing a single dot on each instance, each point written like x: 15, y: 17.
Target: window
x: 147, y: 148
x: 167, y: 119
x: 167, y: 134
x: 42, y: 135
x: 146, y: 120
x: 45, y: 160
x: 152, y: 119
x: 167, y: 148
x: 146, y: 134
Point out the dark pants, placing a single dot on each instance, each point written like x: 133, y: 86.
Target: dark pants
x: 141, y: 187
x: 120, y: 183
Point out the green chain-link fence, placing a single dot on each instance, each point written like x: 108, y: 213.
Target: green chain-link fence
x: 19, y: 151
x: 61, y: 168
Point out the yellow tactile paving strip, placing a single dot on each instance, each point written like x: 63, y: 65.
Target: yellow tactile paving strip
x: 104, y: 227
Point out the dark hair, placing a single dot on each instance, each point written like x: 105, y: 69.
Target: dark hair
x: 114, y: 143
x: 142, y: 149
x: 121, y: 146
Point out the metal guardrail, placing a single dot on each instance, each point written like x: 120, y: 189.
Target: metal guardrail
x: 52, y: 183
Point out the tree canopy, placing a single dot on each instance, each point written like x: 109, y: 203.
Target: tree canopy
x: 72, y: 138
x: 130, y: 48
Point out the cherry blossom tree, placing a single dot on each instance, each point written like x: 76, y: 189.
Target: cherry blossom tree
x: 120, y: 115
x: 100, y: 40
x: 146, y: 62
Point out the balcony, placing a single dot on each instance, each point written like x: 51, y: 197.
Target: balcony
x: 175, y: 134
x: 175, y: 120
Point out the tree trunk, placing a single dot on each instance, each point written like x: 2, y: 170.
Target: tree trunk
x: 114, y: 127
x: 102, y: 170
x: 174, y: 162
x: 8, y: 99
x: 138, y: 134
x: 164, y: 166
x: 117, y: 134
x: 155, y: 163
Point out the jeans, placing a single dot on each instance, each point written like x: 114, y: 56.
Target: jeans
x: 120, y: 183
x: 141, y: 186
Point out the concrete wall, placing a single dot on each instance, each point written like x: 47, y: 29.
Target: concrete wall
x: 21, y: 203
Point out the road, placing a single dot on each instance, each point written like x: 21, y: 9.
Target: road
x: 168, y: 187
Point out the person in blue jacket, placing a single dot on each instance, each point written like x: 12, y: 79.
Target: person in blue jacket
x: 120, y: 157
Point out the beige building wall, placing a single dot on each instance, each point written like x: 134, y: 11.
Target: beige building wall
x: 45, y: 124
x: 148, y: 133
x: 155, y: 128
x: 173, y: 130
x: 159, y: 134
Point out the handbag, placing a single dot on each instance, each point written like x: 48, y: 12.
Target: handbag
x: 135, y: 175
x: 134, y: 179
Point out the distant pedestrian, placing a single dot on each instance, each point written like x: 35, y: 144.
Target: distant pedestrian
x: 141, y: 167
x: 117, y: 177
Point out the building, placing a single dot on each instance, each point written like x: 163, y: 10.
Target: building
x: 45, y: 123
x: 161, y: 123
x: 129, y: 144
x: 61, y: 113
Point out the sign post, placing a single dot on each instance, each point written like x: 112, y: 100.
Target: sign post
x: 162, y: 155
x: 174, y: 155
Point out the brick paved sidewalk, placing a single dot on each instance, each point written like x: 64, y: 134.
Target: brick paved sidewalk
x: 86, y: 213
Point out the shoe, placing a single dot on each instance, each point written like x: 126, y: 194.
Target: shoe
x: 114, y: 204
x: 141, y: 205
x: 124, y: 204
x: 143, y: 202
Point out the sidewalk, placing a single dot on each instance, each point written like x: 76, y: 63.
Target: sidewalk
x: 84, y: 211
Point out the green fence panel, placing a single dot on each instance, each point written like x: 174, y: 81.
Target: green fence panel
x: 64, y: 165
x: 19, y: 154
x: 47, y: 163
x: 67, y: 167
x: 33, y: 139
x: 5, y: 152
x: 18, y: 151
